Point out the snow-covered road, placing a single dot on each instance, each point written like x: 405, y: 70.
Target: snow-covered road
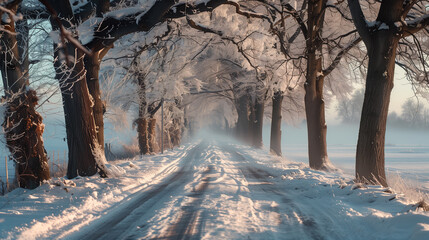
x: 211, y: 189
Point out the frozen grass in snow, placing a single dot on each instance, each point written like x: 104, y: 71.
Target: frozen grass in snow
x: 408, y: 187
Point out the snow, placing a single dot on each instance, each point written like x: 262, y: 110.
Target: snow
x: 86, y: 30
x: 5, y: 18
x: 383, y: 26
x: 211, y: 189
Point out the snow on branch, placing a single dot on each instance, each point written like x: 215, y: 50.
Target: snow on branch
x: 64, y: 33
x: 415, y: 25
x: 113, y: 28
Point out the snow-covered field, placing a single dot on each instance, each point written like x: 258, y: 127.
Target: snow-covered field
x: 211, y: 189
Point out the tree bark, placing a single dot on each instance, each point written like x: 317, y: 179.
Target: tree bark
x: 372, y: 130
x: 379, y: 84
x: 143, y: 136
x: 92, y: 66
x: 276, y: 123
x: 314, y: 103
x: 22, y: 124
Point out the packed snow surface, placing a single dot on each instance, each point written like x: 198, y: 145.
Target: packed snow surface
x: 211, y: 189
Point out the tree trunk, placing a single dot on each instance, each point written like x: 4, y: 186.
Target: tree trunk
x: 176, y: 133
x: 316, y: 126
x: 143, y: 136
x: 242, y: 127
x: 276, y: 122
x: 258, y: 122
x: 379, y: 85
x: 23, y: 124
x: 381, y: 44
x: 154, y: 148
x: 27, y: 150
x: 92, y: 66
x: 314, y: 103
x: 80, y: 124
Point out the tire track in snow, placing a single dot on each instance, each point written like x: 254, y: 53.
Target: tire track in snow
x: 124, y: 216
x: 190, y: 224
x: 310, y: 226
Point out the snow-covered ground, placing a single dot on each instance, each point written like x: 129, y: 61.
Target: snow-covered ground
x: 211, y: 189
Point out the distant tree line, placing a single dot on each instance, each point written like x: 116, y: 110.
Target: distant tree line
x: 414, y: 114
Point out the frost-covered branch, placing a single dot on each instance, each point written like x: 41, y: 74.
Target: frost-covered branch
x: 64, y: 33
x: 118, y: 24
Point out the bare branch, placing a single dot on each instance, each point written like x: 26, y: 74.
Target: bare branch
x: 359, y: 20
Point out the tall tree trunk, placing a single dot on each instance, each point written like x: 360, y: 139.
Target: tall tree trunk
x: 80, y: 124
x: 314, y: 103
x: 23, y: 124
x: 276, y: 122
x: 381, y: 44
x: 379, y: 85
x: 258, y: 122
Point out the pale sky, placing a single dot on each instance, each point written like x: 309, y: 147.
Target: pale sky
x: 401, y: 92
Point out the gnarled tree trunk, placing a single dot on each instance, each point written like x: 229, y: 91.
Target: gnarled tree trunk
x: 22, y: 124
